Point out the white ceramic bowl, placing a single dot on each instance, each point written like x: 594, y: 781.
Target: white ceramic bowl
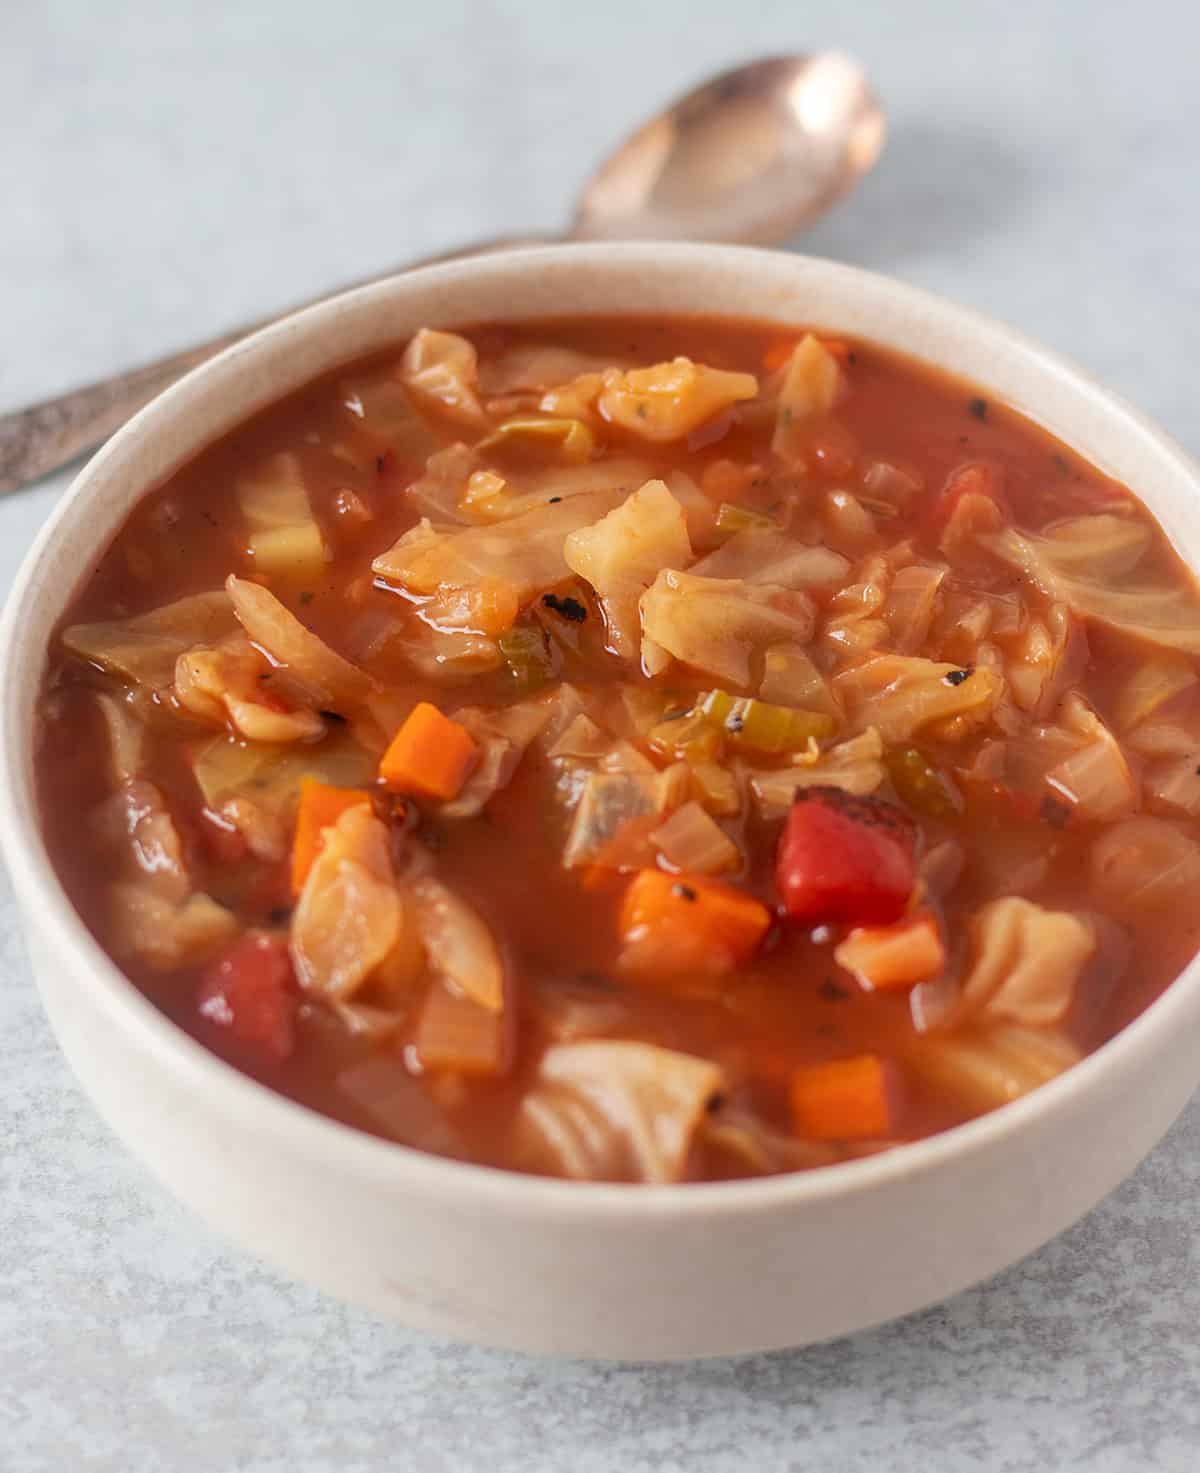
x: 611, y: 1271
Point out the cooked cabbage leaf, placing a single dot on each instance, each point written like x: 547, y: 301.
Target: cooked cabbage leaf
x: 1165, y: 613
x: 524, y: 551
x: 1027, y: 961
x: 764, y: 555
x: 719, y: 625
x: 621, y: 554
x: 143, y: 650
x: 611, y: 1110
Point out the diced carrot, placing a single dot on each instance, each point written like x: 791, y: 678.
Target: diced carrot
x: 430, y: 756
x: 896, y: 956
x: 320, y: 808
x: 680, y: 923
x: 848, y: 1099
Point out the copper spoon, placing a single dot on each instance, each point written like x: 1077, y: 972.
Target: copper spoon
x: 752, y: 156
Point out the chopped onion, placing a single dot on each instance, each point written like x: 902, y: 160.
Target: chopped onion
x: 790, y: 678
x: 459, y: 1034
x: 855, y: 766
x: 912, y: 604
x: 459, y: 945
x: 694, y: 843
x: 398, y: 1104
x: 1146, y: 864
x: 1094, y: 778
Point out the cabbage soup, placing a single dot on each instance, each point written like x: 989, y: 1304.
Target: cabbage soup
x: 633, y: 750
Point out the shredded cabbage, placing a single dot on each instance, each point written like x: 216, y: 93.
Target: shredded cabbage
x: 621, y: 554
x: 763, y: 555
x: 307, y: 660
x: 669, y: 400
x: 720, y: 625
x: 349, y: 914
x: 901, y: 694
x: 855, y: 766
x: 524, y: 551
x: 142, y: 651
x: 610, y: 1110
x: 1166, y: 614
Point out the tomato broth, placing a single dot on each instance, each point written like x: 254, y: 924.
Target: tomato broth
x: 635, y: 750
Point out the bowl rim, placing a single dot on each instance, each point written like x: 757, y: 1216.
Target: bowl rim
x: 238, y: 1098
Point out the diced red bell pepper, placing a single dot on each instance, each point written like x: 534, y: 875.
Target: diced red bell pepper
x: 848, y: 859
x: 251, y: 991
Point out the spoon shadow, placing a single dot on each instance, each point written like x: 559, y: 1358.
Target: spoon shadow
x: 933, y: 193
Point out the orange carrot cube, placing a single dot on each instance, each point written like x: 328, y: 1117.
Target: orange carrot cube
x: 679, y: 923
x: 896, y: 956
x: 320, y: 808
x: 848, y: 1099
x: 430, y: 756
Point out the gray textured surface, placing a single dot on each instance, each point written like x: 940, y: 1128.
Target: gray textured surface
x: 166, y: 174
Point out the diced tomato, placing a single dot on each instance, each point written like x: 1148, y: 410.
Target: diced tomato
x: 251, y: 992
x: 843, y: 858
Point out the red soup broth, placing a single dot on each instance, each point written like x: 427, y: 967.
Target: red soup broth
x: 813, y: 761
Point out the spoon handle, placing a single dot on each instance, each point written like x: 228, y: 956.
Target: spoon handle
x: 45, y: 436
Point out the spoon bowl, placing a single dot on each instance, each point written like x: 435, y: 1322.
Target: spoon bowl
x: 752, y: 156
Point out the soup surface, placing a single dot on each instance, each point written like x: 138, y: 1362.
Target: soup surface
x: 630, y: 750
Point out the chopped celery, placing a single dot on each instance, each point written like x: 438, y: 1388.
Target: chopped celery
x: 731, y: 519
x: 746, y: 722
x: 527, y: 654
x: 570, y: 437
x: 689, y: 736
x: 921, y: 785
